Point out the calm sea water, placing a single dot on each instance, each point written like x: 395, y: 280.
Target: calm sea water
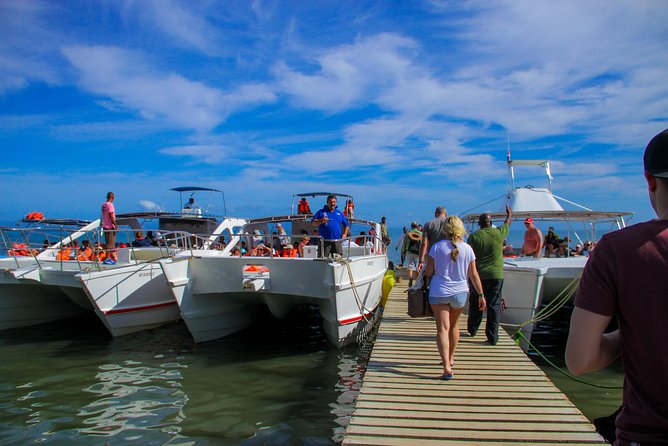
x: 279, y: 383
x: 596, y: 394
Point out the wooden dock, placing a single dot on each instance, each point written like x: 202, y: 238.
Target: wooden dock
x: 498, y: 395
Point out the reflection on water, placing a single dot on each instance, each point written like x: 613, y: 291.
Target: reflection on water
x: 593, y: 400
x: 279, y: 383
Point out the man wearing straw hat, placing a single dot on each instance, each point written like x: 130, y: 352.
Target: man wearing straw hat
x: 412, y: 244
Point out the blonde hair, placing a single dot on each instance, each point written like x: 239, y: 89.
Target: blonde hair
x: 454, y: 231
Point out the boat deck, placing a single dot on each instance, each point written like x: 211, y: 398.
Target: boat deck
x: 497, y: 397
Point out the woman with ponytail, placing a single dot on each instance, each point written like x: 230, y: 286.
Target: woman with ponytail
x: 450, y: 263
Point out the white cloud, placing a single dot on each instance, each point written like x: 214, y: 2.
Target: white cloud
x: 348, y: 75
x: 183, y: 24
x: 247, y: 96
x: 149, y: 205
x: 125, y: 78
x: 547, y: 67
x: 206, y: 153
x: 26, y: 44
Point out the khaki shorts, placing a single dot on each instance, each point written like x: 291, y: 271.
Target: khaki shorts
x: 110, y: 239
x: 412, y: 260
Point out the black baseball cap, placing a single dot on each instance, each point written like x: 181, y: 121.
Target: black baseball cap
x: 656, y: 155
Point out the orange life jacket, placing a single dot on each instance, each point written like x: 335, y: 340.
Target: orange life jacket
x: 85, y: 254
x: 304, y: 208
x: 349, y: 210
x: 63, y: 254
x: 289, y: 252
x: 19, y: 249
x: 34, y: 216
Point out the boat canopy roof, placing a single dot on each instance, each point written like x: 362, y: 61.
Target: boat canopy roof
x: 322, y: 194
x: 195, y: 189
x: 59, y: 222
x: 527, y: 199
x: 562, y: 215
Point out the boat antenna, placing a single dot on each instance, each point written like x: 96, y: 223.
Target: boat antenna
x: 546, y: 165
x: 511, y: 171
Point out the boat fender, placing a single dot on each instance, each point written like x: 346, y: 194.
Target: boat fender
x: 388, y: 284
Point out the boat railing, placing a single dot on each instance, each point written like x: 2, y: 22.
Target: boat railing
x: 263, y: 237
x: 74, y: 248
x: 291, y: 245
x: 39, y: 241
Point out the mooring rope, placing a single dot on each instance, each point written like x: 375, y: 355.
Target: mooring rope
x: 557, y: 303
x: 519, y: 334
x: 546, y: 312
x: 360, y: 305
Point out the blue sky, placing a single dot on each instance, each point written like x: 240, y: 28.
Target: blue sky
x: 405, y: 105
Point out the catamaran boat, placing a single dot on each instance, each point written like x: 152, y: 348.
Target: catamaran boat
x: 530, y: 282
x: 220, y: 294
x: 25, y: 299
x: 134, y: 295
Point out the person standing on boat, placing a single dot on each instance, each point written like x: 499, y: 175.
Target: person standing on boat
x: 349, y: 210
x: 400, y: 244
x: 533, y: 239
x: 192, y: 207
x: 140, y: 241
x: 551, y: 242
x: 450, y: 264
x: 412, y: 247
x: 487, y: 244
x: 109, y: 227
x: 303, y: 207
x: 332, y: 227
x: 624, y: 277
x: 432, y: 233
x: 384, y: 233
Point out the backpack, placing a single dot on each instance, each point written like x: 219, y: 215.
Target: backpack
x: 414, y: 246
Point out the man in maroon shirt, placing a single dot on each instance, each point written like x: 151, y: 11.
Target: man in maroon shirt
x: 625, y: 277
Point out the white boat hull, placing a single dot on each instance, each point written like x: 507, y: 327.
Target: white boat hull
x: 25, y: 301
x: 130, y: 298
x: 217, y: 297
x: 529, y: 283
x: 64, y: 276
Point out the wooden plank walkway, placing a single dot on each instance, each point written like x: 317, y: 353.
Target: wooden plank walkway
x: 497, y: 397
